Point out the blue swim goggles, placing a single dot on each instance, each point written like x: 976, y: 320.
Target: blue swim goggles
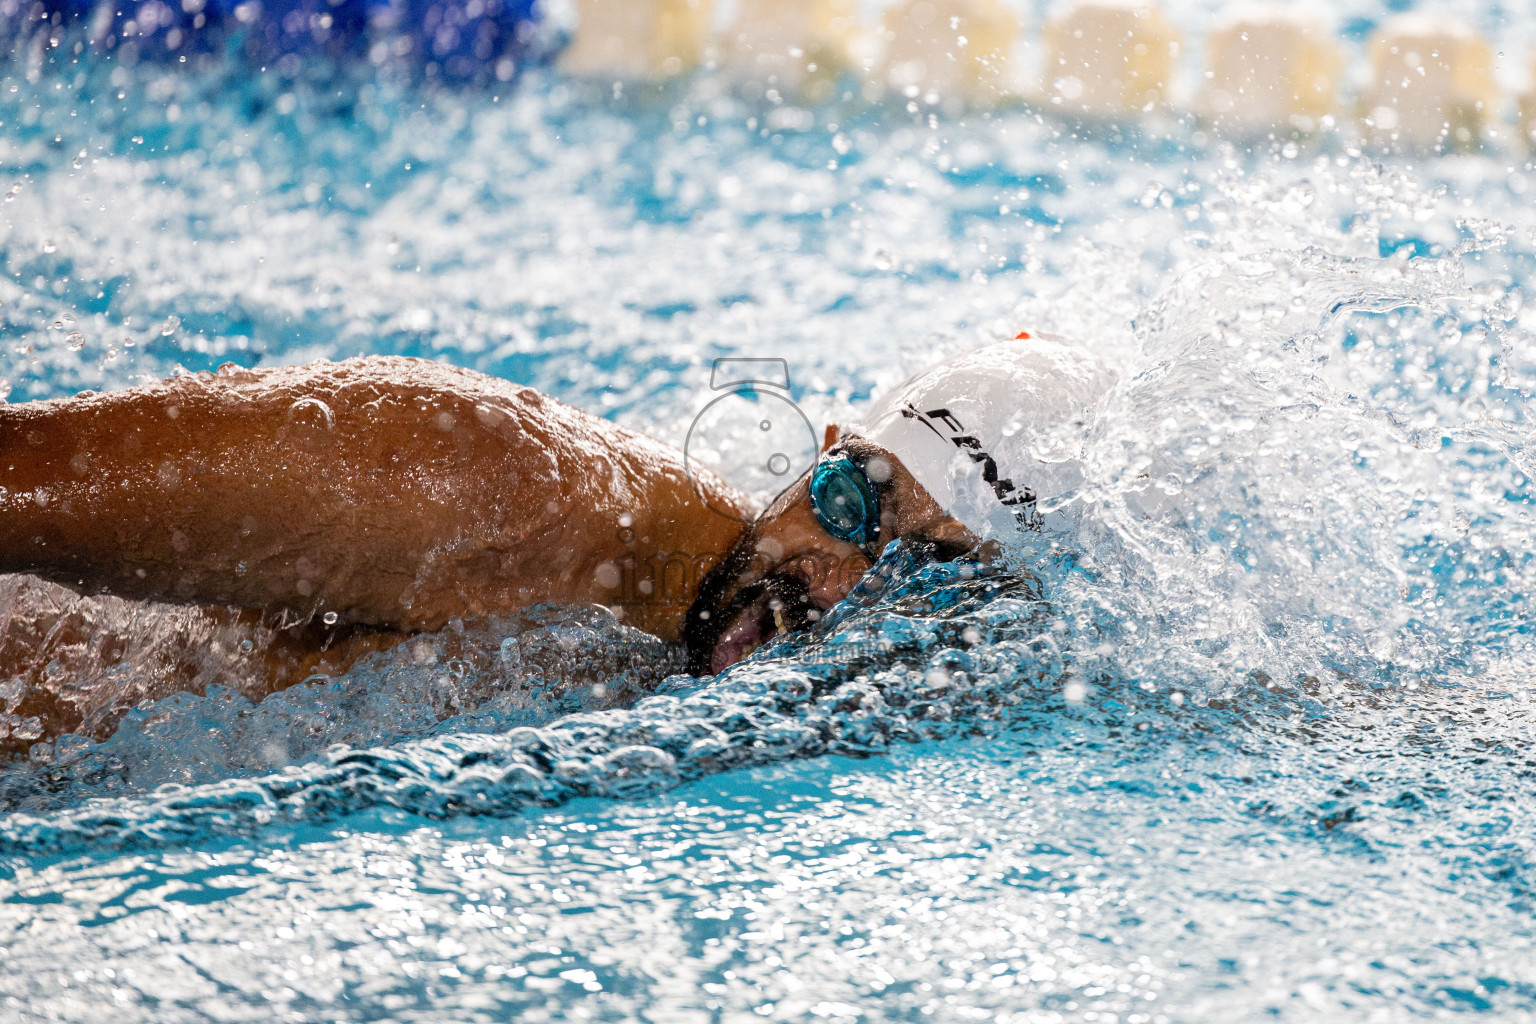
x: 846, y: 503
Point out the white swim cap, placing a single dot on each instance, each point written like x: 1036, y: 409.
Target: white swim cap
x: 994, y: 430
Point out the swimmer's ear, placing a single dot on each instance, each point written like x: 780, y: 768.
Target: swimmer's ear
x: 830, y: 436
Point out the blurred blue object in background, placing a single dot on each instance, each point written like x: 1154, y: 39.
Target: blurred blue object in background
x: 453, y: 39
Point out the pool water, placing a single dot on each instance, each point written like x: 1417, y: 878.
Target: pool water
x: 1252, y: 740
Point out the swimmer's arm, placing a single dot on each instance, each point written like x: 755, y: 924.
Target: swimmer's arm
x: 394, y: 492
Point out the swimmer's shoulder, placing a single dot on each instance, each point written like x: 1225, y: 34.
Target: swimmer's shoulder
x: 372, y: 382
x: 429, y: 377
x: 378, y: 396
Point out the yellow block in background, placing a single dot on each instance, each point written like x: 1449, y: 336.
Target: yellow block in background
x: 962, y: 50
x: 1270, y: 69
x: 637, y: 39
x: 1105, y: 58
x: 1431, y: 85
x: 796, y: 46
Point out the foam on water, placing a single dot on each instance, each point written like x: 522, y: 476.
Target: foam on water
x: 492, y: 675
x: 1283, y: 656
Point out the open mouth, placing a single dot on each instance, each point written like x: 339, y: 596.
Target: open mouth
x: 761, y: 612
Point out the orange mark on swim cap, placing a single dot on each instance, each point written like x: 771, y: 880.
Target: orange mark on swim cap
x: 1021, y: 336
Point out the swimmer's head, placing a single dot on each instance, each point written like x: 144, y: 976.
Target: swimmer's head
x: 994, y: 431
x: 957, y: 455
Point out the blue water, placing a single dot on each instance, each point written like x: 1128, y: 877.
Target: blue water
x: 1253, y: 743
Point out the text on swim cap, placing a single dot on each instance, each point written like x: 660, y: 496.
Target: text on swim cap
x: 1019, y: 500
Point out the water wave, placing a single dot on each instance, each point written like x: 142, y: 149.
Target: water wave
x: 948, y: 648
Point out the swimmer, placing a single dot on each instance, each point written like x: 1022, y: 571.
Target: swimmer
x: 348, y: 506
x: 959, y: 455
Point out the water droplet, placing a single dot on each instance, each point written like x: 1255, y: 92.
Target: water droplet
x: 329, y: 618
x: 313, y: 416
x: 247, y: 646
x: 74, y: 341
x: 50, y: 246
x: 170, y: 326
x: 884, y: 260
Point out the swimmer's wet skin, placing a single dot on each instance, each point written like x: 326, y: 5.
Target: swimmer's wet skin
x: 392, y: 493
x: 370, y: 499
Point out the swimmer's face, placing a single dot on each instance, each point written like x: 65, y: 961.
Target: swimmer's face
x: 787, y: 569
